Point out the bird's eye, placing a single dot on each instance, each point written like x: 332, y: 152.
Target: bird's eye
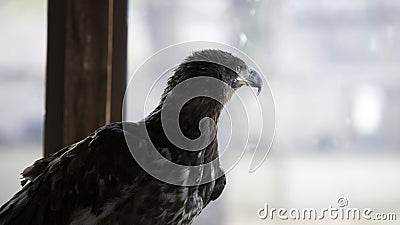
x: 237, y: 69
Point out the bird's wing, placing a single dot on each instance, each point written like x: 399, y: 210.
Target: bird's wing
x: 85, y: 175
x: 219, y: 184
x: 218, y: 187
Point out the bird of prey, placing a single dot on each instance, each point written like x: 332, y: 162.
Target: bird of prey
x: 98, y: 180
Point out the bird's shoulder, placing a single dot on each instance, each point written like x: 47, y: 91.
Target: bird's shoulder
x: 103, y: 150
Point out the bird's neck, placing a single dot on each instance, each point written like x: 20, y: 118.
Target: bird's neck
x: 191, y: 114
x: 189, y: 118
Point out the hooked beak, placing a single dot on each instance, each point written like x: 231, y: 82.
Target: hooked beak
x: 252, y: 79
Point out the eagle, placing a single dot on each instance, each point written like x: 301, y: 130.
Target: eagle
x: 99, y: 181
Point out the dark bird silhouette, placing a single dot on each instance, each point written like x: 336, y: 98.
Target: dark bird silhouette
x: 99, y: 181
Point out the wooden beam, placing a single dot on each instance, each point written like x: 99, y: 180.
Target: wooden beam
x: 119, y: 58
x: 87, y: 62
x: 85, y: 90
x: 54, y: 117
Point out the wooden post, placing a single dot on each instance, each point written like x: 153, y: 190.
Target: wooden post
x: 119, y: 58
x: 86, y: 68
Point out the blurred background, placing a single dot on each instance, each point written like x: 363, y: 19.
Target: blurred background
x: 333, y: 67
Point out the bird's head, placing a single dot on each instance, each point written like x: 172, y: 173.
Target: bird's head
x: 223, y: 66
x: 212, y: 63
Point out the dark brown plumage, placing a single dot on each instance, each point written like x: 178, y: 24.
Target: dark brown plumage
x: 98, y: 181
